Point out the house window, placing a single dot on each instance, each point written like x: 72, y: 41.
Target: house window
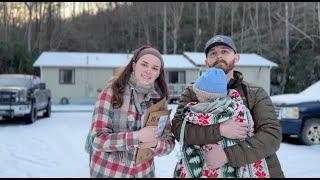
x: 66, y: 76
x: 175, y: 77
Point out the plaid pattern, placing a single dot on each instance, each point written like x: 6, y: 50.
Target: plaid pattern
x: 115, y: 144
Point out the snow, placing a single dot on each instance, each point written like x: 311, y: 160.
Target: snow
x: 251, y: 59
x: 102, y: 60
x: 308, y: 95
x: 82, y: 59
x: 54, y: 147
x: 177, y: 62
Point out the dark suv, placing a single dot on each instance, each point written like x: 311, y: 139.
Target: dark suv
x: 299, y: 114
x: 23, y: 96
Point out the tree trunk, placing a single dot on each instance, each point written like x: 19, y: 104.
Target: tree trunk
x: 232, y: 16
x: 195, y: 44
x: 49, y: 26
x: 269, y: 21
x: 177, y: 13
x: 318, y: 5
x: 207, y: 14
x: 216, y: 17
x: 286, y: 52
x: 144, y: 9
x: 242, y: 27
x: 30, y: 7
x: 5, y: 21
x: 256, y: 28
x: 164, y: 28
x: 305, y: 16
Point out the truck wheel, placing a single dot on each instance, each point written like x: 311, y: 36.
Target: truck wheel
x: 32, y: 116
x: 48, y: 110
x: 310, y: 133
x: 64, y: 100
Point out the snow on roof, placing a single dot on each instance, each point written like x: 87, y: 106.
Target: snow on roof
x: 245, y: 59
x: 112, y: 60
x: 82, y: 59
x: 310, y: 94
x: 177, y: 61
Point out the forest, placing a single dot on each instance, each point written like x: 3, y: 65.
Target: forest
x: 287, y: 33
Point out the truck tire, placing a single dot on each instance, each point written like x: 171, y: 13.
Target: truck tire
x: 64, y: 100
x: 32, y: 116
x: 310, y: 133
x: 48, y: 110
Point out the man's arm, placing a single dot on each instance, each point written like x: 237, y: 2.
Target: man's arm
x: 194, y: 134
x: 266, y: 141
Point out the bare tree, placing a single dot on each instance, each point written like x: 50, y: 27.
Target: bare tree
x: 164, y: 28
x: 242, y: 27
x: 285, y: 59
x: 144, y: 13
x: 5, y: 21
x: 176, y: 10
x: 269, y: 20
x: 216, y: 17
x: 49, y: 25
x: 318, y: 6
x: 233, y: 7
x: 29, y: 5
x: 207, y: 12
x: 195, y: 44
x: 255, y: 27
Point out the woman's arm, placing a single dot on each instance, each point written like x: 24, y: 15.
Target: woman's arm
x: 103, y: 137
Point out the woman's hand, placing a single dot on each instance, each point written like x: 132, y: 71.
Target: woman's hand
x: 151, y: 144
x: 148, y: 134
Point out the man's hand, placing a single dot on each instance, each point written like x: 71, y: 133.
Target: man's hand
x: 234, y: 130
x: 216, y: 157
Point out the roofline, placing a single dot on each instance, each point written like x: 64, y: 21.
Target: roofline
x: 108, y: 67
x: 15, y: 74
x: 85, y: 52
x: 272, y: 64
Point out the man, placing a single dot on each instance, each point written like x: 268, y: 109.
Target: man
x: 221, y: 52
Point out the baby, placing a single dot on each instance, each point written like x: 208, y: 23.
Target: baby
x: 216, y: 105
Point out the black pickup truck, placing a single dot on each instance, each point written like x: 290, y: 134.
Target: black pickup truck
x: 299, y: 114
x: 23, y: 96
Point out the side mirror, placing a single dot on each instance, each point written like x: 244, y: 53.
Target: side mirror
x: 42, y: 85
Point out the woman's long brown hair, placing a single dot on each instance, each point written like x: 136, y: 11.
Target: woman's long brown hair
x: 120, y: 81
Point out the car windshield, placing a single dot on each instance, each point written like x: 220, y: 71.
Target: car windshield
x: 15, y: 81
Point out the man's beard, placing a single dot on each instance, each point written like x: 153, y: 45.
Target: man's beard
x: 226, y: 69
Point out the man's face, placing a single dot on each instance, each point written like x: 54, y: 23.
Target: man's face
x: 223, y: 57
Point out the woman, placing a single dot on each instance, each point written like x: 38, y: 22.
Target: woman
x: 116, y: 130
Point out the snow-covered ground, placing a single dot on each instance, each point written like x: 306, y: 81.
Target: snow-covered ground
x: 54, y: 147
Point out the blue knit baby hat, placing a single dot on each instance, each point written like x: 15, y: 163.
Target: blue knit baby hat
x: 211, y: 84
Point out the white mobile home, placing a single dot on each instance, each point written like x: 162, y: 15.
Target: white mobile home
x: 80, y: 76
x: 254, y: 68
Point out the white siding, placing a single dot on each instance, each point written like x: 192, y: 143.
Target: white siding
x: 87, y: 82
x: 257, y: 75
x: 191, y: 76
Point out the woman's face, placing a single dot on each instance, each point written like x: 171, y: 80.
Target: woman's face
x: 147, y: 69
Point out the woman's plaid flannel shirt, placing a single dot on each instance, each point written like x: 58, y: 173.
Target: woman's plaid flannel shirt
x: 109, y: 139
